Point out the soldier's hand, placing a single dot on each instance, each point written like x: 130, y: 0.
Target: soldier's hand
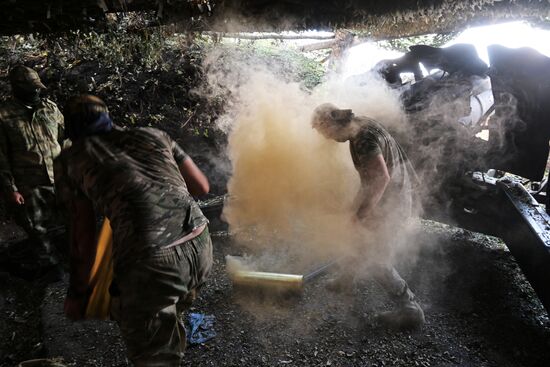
x: 17, y: 198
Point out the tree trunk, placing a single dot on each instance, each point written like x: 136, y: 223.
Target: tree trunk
x: 342, y: 42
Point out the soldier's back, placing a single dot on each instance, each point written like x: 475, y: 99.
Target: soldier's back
x: 132, y: 176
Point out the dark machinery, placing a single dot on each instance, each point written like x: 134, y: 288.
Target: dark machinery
x: 495, y: 185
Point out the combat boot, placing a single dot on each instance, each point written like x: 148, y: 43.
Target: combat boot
x: 407, y: 316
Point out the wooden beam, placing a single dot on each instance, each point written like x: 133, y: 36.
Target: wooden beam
x: 267, y: 35
x: 377, y: 19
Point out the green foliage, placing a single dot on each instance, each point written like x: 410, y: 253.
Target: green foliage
x: 289, y: 64
x: 118, y: 47
x: 150, y: 76
x: 403, y: 44
x: 292, y: 64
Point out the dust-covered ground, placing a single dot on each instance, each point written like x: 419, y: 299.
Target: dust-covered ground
x: 480, y: 311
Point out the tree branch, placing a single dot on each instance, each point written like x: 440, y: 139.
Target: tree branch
x: 262, y: 36
x: 330, y: 44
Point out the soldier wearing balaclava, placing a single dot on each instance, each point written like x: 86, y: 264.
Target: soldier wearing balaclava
x: 31, y: 129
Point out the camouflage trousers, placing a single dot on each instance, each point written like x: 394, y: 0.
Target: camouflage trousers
x: 153, y: 294
x: 36, y: 217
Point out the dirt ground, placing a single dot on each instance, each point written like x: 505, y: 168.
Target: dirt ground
x: 480, y: 311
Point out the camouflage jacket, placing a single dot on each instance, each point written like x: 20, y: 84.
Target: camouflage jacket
x: 132, y: 177
x: 29, y: 142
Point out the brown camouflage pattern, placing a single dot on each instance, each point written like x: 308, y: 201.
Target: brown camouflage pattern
x: 39, y: 213
x: 29, y: 143
x: 131, y: 177
x: 153, y: 294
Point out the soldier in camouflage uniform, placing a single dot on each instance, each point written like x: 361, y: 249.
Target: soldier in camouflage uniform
x: 385, y: 203
x: 31, y: 129
x: 142, y: 181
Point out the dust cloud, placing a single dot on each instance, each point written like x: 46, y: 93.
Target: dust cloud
x: 289, y: 185
x: 288, y: 182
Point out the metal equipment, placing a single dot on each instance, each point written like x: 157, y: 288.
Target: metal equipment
x: 274, y: 281
x: 277, y: 282
x: 446, y: 151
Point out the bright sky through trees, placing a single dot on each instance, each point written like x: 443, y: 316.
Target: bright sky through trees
x: 516, y: 34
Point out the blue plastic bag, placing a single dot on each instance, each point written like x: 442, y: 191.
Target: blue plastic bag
x: 201, y: 328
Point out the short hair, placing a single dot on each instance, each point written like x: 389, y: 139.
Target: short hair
x: 328, y: 114
x: 81, y: 111
x: 84, y: 108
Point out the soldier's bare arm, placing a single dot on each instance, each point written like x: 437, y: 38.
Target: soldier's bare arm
x: 374, y: 178
x: 196, y: 181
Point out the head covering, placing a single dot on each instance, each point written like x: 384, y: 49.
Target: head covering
x: 25, y: 77
x: 328, y: 114
x: 86, y: 115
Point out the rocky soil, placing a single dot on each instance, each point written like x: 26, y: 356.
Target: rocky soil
x: 480, y: 311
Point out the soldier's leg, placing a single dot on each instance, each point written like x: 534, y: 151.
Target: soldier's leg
x: 198, y: 253
x: 408, y: 313
x: 45, y: 217
x: 29, y: 257
x: 18, y: 256
x: 35, y: 217
x: 154, y: 339
x: 152, y: 295
x: 149, y: 321
x: 352, y: 265
x: 345, y: 275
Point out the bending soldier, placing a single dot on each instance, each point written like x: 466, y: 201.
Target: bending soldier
x: 142, y: 181
x: 385, y: 202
